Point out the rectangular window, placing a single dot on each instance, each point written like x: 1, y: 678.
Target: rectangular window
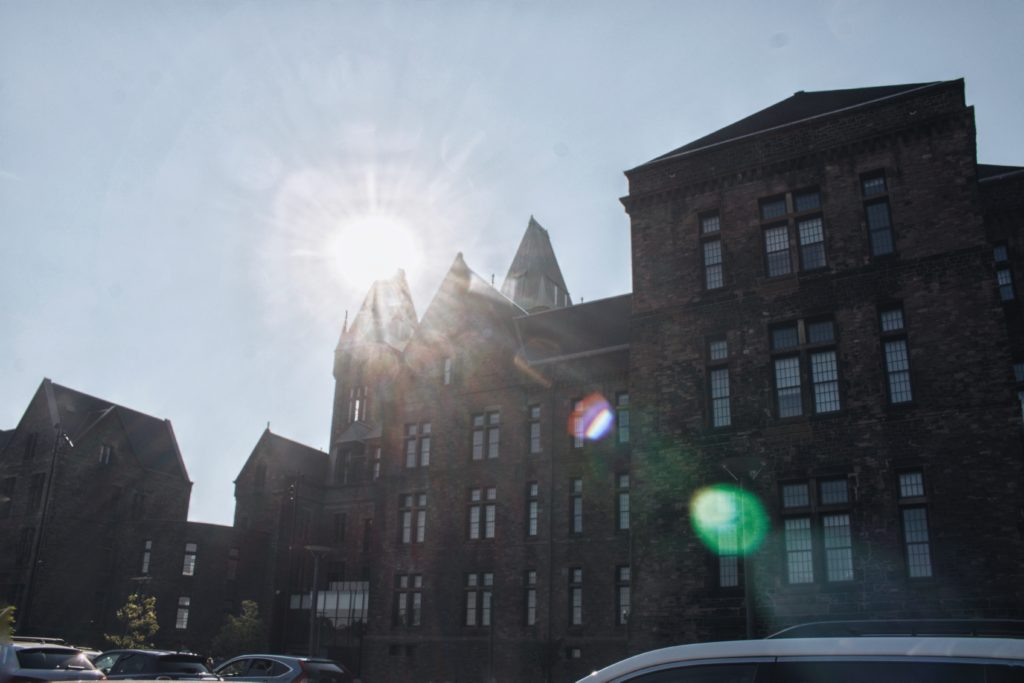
x: 897, y: 357
x: 482, y: 509
x: 408, y: 599
x: 812, y: 243
x: 776, y: 248
x: 816, y: 531
x: 535, y: 445
x: 576, y: 506
x: 357, y: 404
x: 417, y: 445
x: 532, y: 508
x: 413, y: 513
x: 486, y: 435
x: 721, y: 413
x: 576, y: 596
x: 914, y: 516
x: 446, y: 371
x: 622, y: 416
x: 188, y: 567
x: 181, y: 621
x: 106, y: 454
x: 622, y: 482
x: 479, y: 591
x: 530, y: 582
x: 578, y: 426
x: 710, y: 224
x: 1004, y: 278
x: 876, y: 213
x: 713, y: 276
x: 812, y: 365
x: 147, y: 550
x: 622, y: 590
x: 728, y: 557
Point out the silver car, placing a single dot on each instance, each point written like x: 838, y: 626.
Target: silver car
x: 283, y: 669
x: 30, y: 662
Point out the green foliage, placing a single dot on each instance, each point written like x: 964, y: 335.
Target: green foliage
x: 138, y: 615
x: 241, y: 634
x: 6, y: 622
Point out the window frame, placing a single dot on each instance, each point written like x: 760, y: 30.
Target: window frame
x: 802, y: 356
x: 881, y: 199
x: 889, y: 338
x: 822, y: 559
x: 482, y: 513
x: 575, y: 506
x: 485, y: 443
x: 914, y: 503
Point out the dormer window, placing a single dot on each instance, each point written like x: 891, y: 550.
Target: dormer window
x: 106, y: 454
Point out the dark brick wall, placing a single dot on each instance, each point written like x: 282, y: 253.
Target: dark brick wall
x: 961, y: 430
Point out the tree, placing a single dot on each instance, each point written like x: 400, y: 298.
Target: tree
x: 138, y: 615
x: 6, y: 622
x: 245, y: 633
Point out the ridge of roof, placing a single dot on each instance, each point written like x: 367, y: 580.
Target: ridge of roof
x: 277, y: 437
x: 990, y: 172
x: 802, y: 106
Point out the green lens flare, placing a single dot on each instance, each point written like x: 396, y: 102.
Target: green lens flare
x: 728, y: 520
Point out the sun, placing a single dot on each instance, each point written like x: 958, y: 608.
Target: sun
x: 373, y: 246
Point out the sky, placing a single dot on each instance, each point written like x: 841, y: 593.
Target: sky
x: 194, y: 192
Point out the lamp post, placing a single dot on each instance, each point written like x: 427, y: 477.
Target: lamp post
x: 317, y: 551
x: 745, y: 468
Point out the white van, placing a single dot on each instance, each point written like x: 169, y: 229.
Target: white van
x: 886, y: 659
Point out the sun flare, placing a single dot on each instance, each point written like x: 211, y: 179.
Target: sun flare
x: 371, y: 247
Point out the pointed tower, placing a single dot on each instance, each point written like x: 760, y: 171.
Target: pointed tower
x: 534, y: 280
x: 366, y: 361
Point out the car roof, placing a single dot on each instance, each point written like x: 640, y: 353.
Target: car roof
x: 36, y: 645
x: 895, y: 646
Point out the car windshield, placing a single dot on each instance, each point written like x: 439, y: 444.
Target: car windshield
x: 52, y: 658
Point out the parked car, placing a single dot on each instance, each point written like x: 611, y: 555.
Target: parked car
x: 154, y: 664
x: 846, y: 659
x: 283, y: 669
x: 31, y: 661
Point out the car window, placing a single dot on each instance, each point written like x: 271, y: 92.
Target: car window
x: 701, y: 673
x: 190, y: 664
x: 131, y: 663
x: 52, y: 658
x: 105, y: 661
x: 859, y: 671
x: 261, y: 667
x: 235, y: 668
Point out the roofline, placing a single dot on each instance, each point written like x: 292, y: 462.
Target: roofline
x: 833, y: 112
x: 582, y: 354
x: 574, y: 307
x: 1001, y: 176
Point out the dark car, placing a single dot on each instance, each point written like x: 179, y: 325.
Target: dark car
x: 283, y: 669
x: 154, y: 664
x: 29, y: 662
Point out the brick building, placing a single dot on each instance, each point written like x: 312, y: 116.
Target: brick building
x: 93, y: 504
x: 825, y: 332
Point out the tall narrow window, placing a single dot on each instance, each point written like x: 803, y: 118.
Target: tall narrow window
x: 1004, y: 276
x: 188, y: 567
x: 147, y: 550
x: 622, y: 482
x: 776, y: 249
x: 576, y: 505
x: 622, y: 416
x: 446, y: 371
x: 482, y: 510
x: 479, y: 588
x: 106, y: 454
x: 728, y: 557
x: 535, y: 444
x: 532, y: 508
x: 622, y: 591
x: 876, y: 212
x: 578, y: 426
x: 914, y: 514
x: 408, y: 599
x: 414, y: 517
x: 897, y: 357
x: 357, y: 404
x: 181, y: 621
x: 721, y: 413
x: 417, y: 445
x: 575, y: 596
x: 486, y: 435
x: 530, y: 583
x: 713, y: 278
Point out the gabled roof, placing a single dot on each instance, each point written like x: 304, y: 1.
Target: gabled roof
x: 152, y: 439
x: 587, y: 328
x: 460, y: 285
x: 534, y: 280
x: 387, y: 316
x: 800, y: 107
x: 288, y: 455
